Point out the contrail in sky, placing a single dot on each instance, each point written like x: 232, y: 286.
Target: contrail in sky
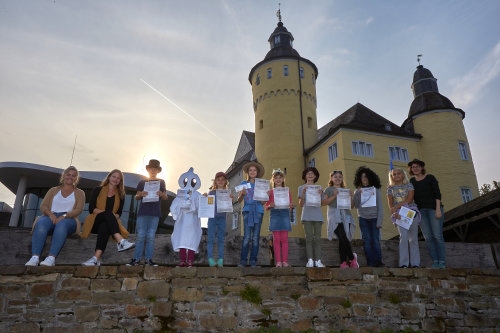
x: 183, y: 111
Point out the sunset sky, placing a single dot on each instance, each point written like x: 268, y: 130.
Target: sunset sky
x: 135, y: 80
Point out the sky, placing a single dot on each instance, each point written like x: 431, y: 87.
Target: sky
x: 135, y: 80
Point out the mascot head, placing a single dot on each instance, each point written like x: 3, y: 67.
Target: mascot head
x: 189, y: 181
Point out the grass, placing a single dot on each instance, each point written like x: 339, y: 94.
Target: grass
x: 251, y: 295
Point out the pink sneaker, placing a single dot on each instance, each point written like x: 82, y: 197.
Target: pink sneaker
x: 344, y: 265
x: 285, y: 264
x: 354, y: 262
x: 278, y: 264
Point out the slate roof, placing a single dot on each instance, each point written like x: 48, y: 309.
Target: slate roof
x: 422, y: 73
x: 244, y: 153
x: 429, y: 101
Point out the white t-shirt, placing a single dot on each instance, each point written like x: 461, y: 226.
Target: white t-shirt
x: 61, y: 204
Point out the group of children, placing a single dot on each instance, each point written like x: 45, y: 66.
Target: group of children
x: 341, y: 224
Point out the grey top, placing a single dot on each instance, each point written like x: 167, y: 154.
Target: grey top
x: 370, y: 212
x: 310, y: 213
x: 399, y: 193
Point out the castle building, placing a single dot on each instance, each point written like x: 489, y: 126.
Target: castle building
x: 287, y: 137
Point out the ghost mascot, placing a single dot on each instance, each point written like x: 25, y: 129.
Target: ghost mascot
x: 187, y: 229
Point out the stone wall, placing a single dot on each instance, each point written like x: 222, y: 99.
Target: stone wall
x: 199, y: 299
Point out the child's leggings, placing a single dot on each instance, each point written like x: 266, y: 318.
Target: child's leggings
x: 280, y: 239
x: 190, y: 255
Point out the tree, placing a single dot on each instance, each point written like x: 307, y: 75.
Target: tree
x: 486, y: 188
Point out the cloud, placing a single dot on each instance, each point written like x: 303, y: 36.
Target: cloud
x: 470, y: 87
x: 369, y: 20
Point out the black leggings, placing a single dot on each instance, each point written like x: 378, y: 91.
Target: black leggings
x: 345, y: 249
x: 105, y: 225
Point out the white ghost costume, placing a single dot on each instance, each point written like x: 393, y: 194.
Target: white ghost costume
x: 187, y: 228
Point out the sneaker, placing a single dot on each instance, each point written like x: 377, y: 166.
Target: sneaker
x: 403, y: 266
x: 34, y: 260
x: 92, y: 262
x: 310, y: 263
x: 124, y: 245
x: 150, y: 262
x: 211, y: 262
x: 354, y: 262
x: 49, y: 261
x: 189, y: 264
x: 278, y: 264
x: 318, y: 263
x: 182, y: 264
x: 133, y: 262
x: 242, y: 265
x: 285, y: 264
x: 344, y: 265
x: 220, y: 262
x: 441, y: 264
x: 415, y: 266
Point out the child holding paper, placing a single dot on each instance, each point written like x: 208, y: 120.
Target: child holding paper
x: 253, y: 212
x: 312, y: 216
x: 279, y: 220
x: 400, y: 192
x: 367, y: 199
x: 149, y: 215
x: 217, y: 224
x: 340, y: 221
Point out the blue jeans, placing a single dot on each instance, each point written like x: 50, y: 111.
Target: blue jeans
x: 371, y: 241
x: 59, y: 232
x: 252, y: 233
x: 146, y: 230
x: 432, y: 229
x: 216, y: 225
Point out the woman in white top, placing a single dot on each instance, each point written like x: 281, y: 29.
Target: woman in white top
x: 60, y: 208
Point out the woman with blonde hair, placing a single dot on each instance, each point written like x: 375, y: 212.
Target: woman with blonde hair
x: 60, y: 208
x: 105, y: 208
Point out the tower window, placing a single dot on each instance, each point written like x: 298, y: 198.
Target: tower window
x: 312, y: 76
x: 312, y: 162
x: 257, y: 80
x: 332, y: 152
x: 466, y: 194
x: 464, y: 154
x: 309, y: 122
x: 276, y: 40
x: 269, y: 73
x: 285, y: 70
x: 398, y: 154
x: 361, y: 148
x: 261, y: 124
x: 301, y: 72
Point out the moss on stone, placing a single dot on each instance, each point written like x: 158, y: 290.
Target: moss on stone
x: 251, y: 295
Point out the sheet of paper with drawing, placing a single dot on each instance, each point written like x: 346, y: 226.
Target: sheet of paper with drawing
x: 241, y: 187
x: 224, y: 201
x: 260, y: 190
x: 344, y: 198
x: 151, y: 187
x: 206, y: 206
x: 281, y: 197
x: 313, y: 195
x: 407, y: 215
x: 368, y: 197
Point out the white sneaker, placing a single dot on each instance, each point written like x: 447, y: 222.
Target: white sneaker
x: 49, y: 261
x: 318, y: 263
x: 310, y: 263
x: 33, y: 261
x: 124, y: 245
x: 92, y: 262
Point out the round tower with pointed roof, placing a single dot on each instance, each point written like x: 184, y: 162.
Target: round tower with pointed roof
x: 284, y: 103
x: 444, y: 146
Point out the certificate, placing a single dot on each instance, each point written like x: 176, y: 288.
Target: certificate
x: 224, y: 201
x: 151, y: 187
x: 343, y: 198
x: 406, y: 217
x: 206, y: 206
x: 239, y: 188
x: 313, y: 195
x: 260, y: 190
x: 281, y: 197
x: 368, y: 197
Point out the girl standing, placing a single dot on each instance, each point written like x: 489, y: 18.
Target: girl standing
x: 400, y: 192
x: 340, y: 221
x: 279, y: 221
x: 60, y: 208
x: 148, y: 216
x: 253, y: 212
x: 370, y: 217
x: 217, y: 224
x: 105, y: 208
x: 428, y: 199
x: 312, y: 219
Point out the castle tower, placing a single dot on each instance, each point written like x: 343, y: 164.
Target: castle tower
x: 444, y: 146
x: 284, y: 103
